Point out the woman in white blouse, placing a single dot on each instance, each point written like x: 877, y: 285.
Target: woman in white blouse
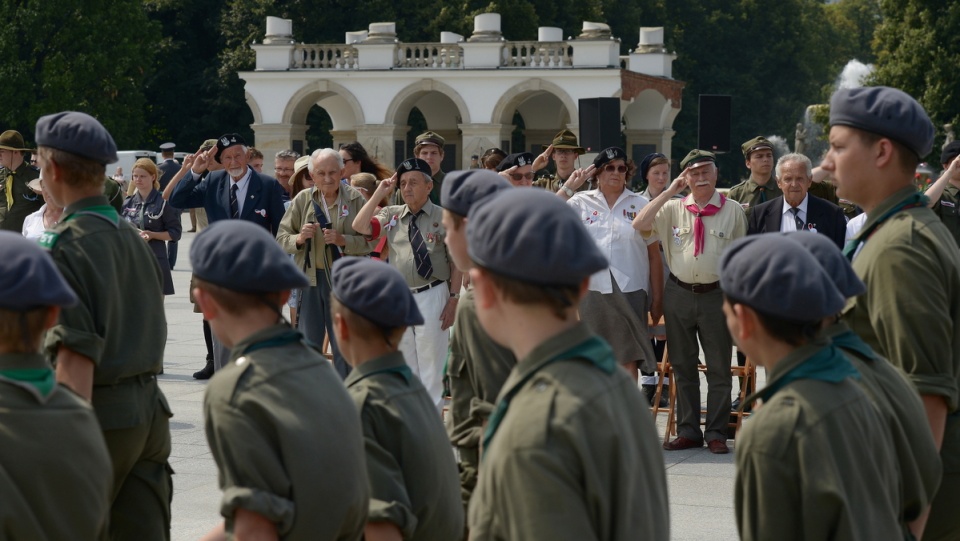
x: 46, y: 217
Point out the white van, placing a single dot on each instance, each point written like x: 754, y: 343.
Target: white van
x: 126, y: 161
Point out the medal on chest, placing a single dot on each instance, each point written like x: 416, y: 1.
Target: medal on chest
x: 676, y: 236
x: 392, y: 223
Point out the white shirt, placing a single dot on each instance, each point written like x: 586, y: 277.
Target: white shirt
x: 242, y: 186
x: 788, y: 223
x: 612, y: 230
x: 33, y: 224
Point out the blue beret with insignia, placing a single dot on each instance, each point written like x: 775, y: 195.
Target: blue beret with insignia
x: 608, y: 155
x: 413, y: 164
x: 227, y: 141
x: 518, y: 159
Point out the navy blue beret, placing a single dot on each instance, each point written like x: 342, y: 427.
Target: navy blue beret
x: 950, y: 152
x: 77, y: 133
x: 28, y: 276
x: 227, y: 141
x: 778, y: 277
x: 461, y: 189
x: 886, y: 111
x: 506, y: 236
x: 645, y: 164
x: 608, y: 155
x: 832, y: 260
x: 518, y: 159
x: 375, y: 290
x: 413, y: 164
x: 242, y: 256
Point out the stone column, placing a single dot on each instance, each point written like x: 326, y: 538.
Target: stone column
x: 478, y: 138
x: 380, y: 141
x: 272, y: 138
x: 342, y: 137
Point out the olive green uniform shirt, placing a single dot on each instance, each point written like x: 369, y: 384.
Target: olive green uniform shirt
x: 435, y: 191
x: 553, y: 182
x: 815, y: 463
x: 25, y: 200
x: 413, y: 477
x: 477, y: 368
x: 572, y: 458
x: 948, y: 209
x: 55, y: 473
x: 286, y: 439
x: 395, y: 224
x: 750, y: 194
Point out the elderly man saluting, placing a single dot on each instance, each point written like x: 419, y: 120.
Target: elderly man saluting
x: 694, y: 231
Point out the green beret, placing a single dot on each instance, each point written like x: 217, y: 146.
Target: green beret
x: 695, y: 156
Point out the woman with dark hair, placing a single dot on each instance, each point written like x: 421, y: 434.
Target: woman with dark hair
x: 356, y: 160
x: 491, y: 158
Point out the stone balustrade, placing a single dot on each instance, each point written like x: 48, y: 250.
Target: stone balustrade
x: 429, y: 55
x: 537, y: 54
x: 312, y: 57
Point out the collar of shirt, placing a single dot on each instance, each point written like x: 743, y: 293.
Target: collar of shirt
x: 598, y: 196
x: 384, y: 363
x: 714, y: 199
x: 802, y: 206
x: 243, y: 182
x: 426, y: 209
x: 771, y: 185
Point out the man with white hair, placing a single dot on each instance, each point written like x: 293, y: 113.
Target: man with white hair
x: 317, y: 229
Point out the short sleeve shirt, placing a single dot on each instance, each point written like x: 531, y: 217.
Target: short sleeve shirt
x: 395, y: 224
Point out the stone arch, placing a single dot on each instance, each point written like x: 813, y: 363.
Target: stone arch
x: 254, y: 108
x: 648, y: 110
x: 311, y: 94
x: 517, y: 94
x: 404, y: 101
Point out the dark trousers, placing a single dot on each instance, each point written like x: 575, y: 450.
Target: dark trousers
x: 172, y: 253
x: 315, y: 319
x: 690, y: 316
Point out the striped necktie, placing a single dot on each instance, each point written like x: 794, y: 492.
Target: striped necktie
x: 796, y: 218
x: 420, y: 255
x: 234, y: 207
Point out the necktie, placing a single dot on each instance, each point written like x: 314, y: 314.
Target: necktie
x: 763, y: 194
x: 420, y: 256
x: 796, y: 218
x: 8, y: 183
x: 698, y: 230
x: 234, y: 207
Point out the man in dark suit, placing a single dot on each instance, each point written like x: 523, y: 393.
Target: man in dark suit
x: 796, y: 209
x: 168, y: 167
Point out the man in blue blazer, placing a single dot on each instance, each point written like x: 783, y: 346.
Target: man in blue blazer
x: 236, y: 192
x: 796, y: 209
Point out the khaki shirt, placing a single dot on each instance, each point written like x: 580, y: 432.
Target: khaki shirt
x: 674, y: 226
x: 412, y: 473
x: 395, y: 224
x: 286, y: 439
x: 948, y: 209
x: 815, y: 462
x: 750, y: 194
x: 301, y: 212
x: 553, y: 182
x: 56, y: 480
x: 575, y: 457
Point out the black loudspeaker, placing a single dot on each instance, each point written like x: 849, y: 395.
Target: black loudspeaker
x: 599, y: 123
x: 713, y: 131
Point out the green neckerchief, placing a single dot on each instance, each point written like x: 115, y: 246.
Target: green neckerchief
x: 391, y: 363
x: 827, y: 364
x: 91, y: 206
x: 593, y: 349
x: 916, y: 199
x: 288, y: 336
x: 844, y: 338
x: 42, y: 379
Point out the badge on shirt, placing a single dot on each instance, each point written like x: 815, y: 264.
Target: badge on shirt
x: 48, y: 239
x: 344, y: 211
x: 947, y: 204
x: 676, y: 236
x: 261, y: 212
x: 812, y: 228
x: 392, y: 223
x: 629, y: 215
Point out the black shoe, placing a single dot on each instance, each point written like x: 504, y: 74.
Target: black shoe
x: 735, y: 406
x: 650, y: 391
x: 205, y: 373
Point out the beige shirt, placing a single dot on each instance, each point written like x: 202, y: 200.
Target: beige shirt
x: 395, y: 224
x: 674, y: 226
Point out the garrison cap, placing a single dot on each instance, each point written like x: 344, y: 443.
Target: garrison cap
x: 518, y: 159
x: 645, y: 164
x: 755, y: 144
x: 461, y: 189
x: 77, y: 133
x: 566, y: 140
x: 950, y: 152
x: 429, y: 138
x: 505, y: 235
x: 697, y: 156
x: 12, y: 140
x: 168, y: 147
x: 227, y: 141
x: 608, y: 155
x: 375, y: 290
x: 778, y: 277
x: 832, y: 260
x: 885, y: 111
x: 242, y: 256
x: 28, y: 276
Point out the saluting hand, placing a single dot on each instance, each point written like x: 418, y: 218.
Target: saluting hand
x: 679, y: 183
x: 202, y: 160
x: 543, y: 159
x: 188, y: 161
x: 579, y: 176
x: 506, y: 174
x: 384, y: 187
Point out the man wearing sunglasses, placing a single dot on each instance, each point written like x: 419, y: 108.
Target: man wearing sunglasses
x: 518, y: 169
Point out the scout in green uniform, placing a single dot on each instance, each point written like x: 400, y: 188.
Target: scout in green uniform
x: 281, y: 427
x: 564, y: 151
x: 55, y: 475
x: 760, y: 187
x: 944, y: 194
x: 412, y: 474
x: 107, y: 348
x: 565, y: 454
x: 19, y: 200
x: 429, y: 148
x: 877, y: 136
x: 477, y: 366
x: 816, y: 461
x: 893, y: 394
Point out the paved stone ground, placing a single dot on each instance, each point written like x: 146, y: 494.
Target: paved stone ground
x: 700, y: 484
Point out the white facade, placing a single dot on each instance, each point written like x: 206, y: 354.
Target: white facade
x: 468, y: 91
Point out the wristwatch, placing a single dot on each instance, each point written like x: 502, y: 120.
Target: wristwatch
x: 567, y: 190
x: 454, y: 295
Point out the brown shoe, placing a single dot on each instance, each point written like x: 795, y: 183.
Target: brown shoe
x: 682, y: 443
x: 718, y: 447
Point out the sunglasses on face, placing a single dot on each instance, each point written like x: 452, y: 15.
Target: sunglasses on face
x: 610, y: 168
x: 521, y: 176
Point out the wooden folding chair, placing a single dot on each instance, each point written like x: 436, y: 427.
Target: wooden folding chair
x: 749, y: 374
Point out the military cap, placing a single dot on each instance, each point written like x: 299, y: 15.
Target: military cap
x: 28, y: 276
x: 608, y: 155
x: 950, y: 152
x: 227, y: 141
x: 376, y: 291
x: 645, y: 164
x: 885, y: 111
x: 242, y: 256
x: 208, y: 144
x: 697, y: 156
x: 413, y: 164
x: 566, y: 140
x: 755, y: 144
x: 832, y: 260
x: 429, y: 138
x: 461, y: 189
x: 168, y: 147
x: 77, y: 133
x: 518, y: 159
x: 506, y: 236
x: 12, y: 140
x: 778, y: 277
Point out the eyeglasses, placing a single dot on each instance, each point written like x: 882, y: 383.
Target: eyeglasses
x: 610, y: 168
x: 562, y: 151
x: 348, y: 160
x: 522, y: 176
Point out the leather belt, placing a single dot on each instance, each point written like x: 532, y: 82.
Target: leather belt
x: 421, y: 289
x: 695, y: 288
